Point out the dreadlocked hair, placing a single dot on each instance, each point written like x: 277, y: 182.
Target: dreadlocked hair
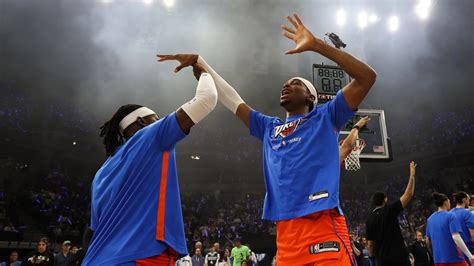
x: 110, y: 131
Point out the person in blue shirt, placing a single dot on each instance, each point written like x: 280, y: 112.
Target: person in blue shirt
x: 301, y: 154
x: 443, y: 235
x: 136, y: 214
x: 465, y: 218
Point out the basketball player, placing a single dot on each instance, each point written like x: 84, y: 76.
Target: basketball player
x: 443, y: 232
x: 301, y: 155
x: 465, y: 218
x: 136, y: 211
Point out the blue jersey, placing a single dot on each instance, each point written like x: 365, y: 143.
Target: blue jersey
x: 136, y: 208
x: 441, y: 225
x: 301, y: 159
x: 466, y: 219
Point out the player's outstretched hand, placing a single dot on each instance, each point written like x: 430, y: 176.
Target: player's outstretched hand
x: 185, y: 60
x: 304, y: 39
x: 412, y: 168
x: 363, y: 121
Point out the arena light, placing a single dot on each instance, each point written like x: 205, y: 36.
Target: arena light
x: 106, y: 1
x: 373, y: 18
x: 195, y: 157
x: 422, y: 9
x: 393, y: 23
x: 341, y: 17
x: 362, y: 19
x: 168, y: 3
x: 74, y: 143
x: 148, y: 2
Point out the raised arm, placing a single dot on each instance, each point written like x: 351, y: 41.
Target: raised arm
x: 202, y: 104
x: 226, y: 93
x: 410, y: 189
x: 349, y: 142
x: 363, y: 75
x: 228, y: 96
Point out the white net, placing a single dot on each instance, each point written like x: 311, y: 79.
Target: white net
x: 352, y: 162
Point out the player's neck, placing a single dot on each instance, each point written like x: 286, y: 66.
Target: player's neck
x: 302, y: 111
x: 440, y: 209
x: 460, y: 206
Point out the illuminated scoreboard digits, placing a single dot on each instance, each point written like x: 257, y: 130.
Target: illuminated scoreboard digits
x: 328, y: 80
x: 331, y: 80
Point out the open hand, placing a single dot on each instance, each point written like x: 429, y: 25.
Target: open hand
x: 304, y: 39
x: 185, y: 60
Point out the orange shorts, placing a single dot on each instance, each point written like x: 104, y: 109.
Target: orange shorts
x: 452, y: 264
x: 167, y: 258
x: 320, y: 238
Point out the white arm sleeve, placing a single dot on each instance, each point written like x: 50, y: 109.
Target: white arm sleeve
x: 461, y: 245
x: 204, y: 101
x: 227, y: 95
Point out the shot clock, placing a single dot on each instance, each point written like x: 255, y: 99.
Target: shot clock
x: 328, y: 80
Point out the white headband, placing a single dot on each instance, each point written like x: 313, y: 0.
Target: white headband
x: 310, y: 87
x: 132, y: 117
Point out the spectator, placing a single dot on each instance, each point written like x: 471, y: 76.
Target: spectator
x: 198, y: 245
x: 252, y: 259
x: 239, y: 253
x: 74, y: 249
x: 217, y: 248
x: 212, y: 258
x: 42, y: 256
x: 356, y: 248
x: 420, y: 252
x: 197, y: 259
x: 65, y: 257
x: 365, y: 252
x: 225, y: 259
x: 12, y: 260
x: 184, y: 261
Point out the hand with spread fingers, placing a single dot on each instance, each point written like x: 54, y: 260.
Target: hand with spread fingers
x: 304, y: 39
x: 185, y: 60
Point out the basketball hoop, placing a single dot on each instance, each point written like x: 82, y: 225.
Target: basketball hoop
x: 352, y: 162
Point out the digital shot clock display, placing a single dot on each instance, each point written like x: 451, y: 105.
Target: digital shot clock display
x: 328, y: 80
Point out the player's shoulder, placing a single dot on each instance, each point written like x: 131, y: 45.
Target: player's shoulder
x: 449, y: 215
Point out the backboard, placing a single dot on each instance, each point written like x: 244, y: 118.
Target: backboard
x: 374, y: 134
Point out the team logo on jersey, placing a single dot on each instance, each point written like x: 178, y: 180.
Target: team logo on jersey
x: 288, y: 128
